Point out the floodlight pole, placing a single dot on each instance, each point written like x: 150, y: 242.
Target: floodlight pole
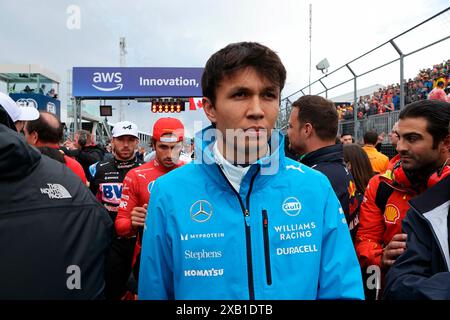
x: 310, y: 36
x: 123, y: 52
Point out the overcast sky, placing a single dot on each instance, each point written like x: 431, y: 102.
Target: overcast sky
x: 176, y: 33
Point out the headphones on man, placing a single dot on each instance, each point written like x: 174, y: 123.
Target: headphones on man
x: 403, y: 178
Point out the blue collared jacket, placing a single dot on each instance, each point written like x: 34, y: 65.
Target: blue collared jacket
x: 283, y: 236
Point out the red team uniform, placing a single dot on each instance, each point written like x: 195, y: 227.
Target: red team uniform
x: 136, y: 193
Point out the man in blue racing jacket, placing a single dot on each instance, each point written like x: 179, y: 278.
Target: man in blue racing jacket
x: 249, y: 223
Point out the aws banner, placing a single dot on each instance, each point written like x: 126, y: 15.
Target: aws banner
x: 124, y: 82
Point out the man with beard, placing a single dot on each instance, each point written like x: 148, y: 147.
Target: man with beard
x: 423, y: 147
x: 106, y: 183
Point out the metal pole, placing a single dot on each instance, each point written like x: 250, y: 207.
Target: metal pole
x: 310, y: 36
x: 326, y: 89
x: 402, y: 85
x: 355, y: 101
x: 77, y: 119
x: 123, y: 52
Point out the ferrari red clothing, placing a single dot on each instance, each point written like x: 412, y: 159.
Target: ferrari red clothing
x: 136, y: 192
x: 73, y: 164
x: 377, y: 227
x: 76, y: 167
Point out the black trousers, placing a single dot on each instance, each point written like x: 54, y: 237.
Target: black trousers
x: 118, y: 267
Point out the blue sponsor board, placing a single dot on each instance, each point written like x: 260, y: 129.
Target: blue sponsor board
x: 91, y: 82
x: 38, y: 101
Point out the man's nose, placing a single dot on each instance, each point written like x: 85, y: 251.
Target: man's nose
x: 401, y: 146
x: 255, y: 109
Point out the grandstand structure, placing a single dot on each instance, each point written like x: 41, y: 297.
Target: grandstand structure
x: 380, y: 121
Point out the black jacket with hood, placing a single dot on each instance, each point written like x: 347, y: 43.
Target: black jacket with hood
x: 422, y: 271
x: 86, y: 156
x: 53, y: 232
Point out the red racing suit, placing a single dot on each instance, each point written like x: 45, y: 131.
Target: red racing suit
x: 135, y: 193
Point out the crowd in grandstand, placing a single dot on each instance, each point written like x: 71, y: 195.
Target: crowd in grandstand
x: 388, y: 99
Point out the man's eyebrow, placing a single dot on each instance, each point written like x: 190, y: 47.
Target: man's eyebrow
x: 242, y: 88
x: 407, y: 134
x: 271, y: 88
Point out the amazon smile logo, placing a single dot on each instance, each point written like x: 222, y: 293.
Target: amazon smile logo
x: 103, y: 80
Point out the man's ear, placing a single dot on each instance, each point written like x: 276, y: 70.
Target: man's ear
x: 209, y: 109
x: 446, y: 144
x: 34, y: 137
x: 307, y: 129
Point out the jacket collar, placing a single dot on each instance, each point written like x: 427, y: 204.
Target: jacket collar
x: 264, y: 169
x: 332, y: 153
x: 434, y: 206
x: 121, y: 164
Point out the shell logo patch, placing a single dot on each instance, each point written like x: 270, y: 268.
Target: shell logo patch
x: 351, y: 189
x: 391, y: 214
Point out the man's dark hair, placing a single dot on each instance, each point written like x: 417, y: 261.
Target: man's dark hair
x: 370, y: 137
x: 48, y: 131
x: 84, y: 137
x: 238, y: 56
x: 440, y: 83
x: 437, y: 114
x: 320, y: 113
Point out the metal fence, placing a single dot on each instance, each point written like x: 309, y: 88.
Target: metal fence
x: 380, y: 123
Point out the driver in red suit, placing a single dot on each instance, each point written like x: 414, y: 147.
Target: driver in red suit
x: 168, y: 135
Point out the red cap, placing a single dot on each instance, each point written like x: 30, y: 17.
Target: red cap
x: 168, y: 130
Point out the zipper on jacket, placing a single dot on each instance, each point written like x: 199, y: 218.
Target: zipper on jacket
x: 248, y: 238
x: 265, y: 221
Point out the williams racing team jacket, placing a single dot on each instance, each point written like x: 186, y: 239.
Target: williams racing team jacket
x: 283, y: 236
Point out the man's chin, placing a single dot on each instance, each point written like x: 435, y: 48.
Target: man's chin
x: 168, y: 164
x: 409, y: 166
x: 125, y: 155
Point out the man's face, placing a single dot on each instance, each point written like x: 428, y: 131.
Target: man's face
x: 31, y: 137
x: 167, y: 153
x: 415, y: 145
x: 124, y: 147
x: 248, y: 102
x: 19, y: 126
x: 75, y: 141
x: 347, y: 139
x: 296, y: 134
x: 393, y: 136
